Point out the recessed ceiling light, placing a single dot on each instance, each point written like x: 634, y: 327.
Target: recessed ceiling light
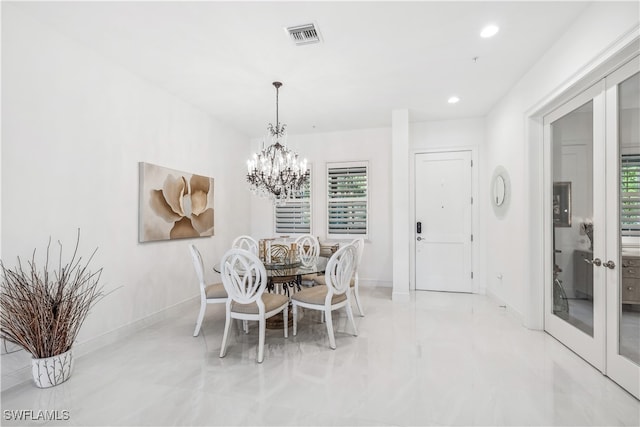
x: 489, y: 31
x: 453, y: 100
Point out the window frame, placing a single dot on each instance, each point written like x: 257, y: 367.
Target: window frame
x: 629, y: 230
x: 293, y: 203
x: 367, y: 199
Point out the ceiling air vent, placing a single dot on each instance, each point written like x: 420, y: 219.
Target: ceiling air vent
x: 304, y: 34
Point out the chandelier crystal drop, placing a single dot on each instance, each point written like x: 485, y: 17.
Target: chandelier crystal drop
x: 276, y: 172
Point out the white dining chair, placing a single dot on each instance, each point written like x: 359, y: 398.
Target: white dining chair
x: 354, y: 283
x: 209, y: 294
x: 332, y: 296
x: 308, y: 248
x: 247, y: 243
x: 245, y: 279
x: 250, y: 244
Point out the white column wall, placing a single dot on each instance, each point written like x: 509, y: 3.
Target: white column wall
x: 401, y: 203
x: 74, y: 128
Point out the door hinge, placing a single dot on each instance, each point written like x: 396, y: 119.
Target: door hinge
x: 472, y: 200
x: 472, y: 274
x: 471, y: 163
x: 472, y: 237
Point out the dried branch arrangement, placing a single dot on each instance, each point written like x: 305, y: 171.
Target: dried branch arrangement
x: 43, y: 311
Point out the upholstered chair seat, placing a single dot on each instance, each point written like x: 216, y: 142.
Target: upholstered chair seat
x: 271, y: 302
x: 317, y: 295
x: 319, y: 279
x: 215, y: 290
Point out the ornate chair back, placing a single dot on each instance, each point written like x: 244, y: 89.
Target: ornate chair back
x: 199, y: 267
x: 243, y: 276
x: 247, y: 243
x: 359, y: 244
x: 341, y: 268
x: 308, y: 248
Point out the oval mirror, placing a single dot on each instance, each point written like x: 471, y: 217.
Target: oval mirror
x: 498, y: 190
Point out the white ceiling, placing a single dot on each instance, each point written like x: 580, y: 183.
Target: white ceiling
x: 375, y: 56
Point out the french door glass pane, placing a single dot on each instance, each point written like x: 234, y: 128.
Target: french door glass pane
x: 629, y: 139
x: 572, y: 153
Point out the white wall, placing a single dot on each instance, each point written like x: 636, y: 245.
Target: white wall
x: 447, y: 134
x: 511, y: 246
x: 75, y: 127
x: 372, y: 145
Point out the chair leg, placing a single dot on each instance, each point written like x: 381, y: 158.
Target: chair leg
x: 227, y: 326
x: 356, y: 295
x: 263, y: 325
x: 329, y: 321
x: 353, y: 322
x: 295, y: 319
x: 203, y: 308
x: 285, y: 317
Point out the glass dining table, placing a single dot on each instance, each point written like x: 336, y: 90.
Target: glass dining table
x: 286, y: 277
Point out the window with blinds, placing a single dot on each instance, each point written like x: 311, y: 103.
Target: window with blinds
x: 294, y: 216
x: 630, y: 195
x: 347, y: 199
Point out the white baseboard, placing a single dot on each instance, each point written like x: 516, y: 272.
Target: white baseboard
x: 16, y: 366
x: 512, y: 312
x: 371, y: 283
x: 400, y: 296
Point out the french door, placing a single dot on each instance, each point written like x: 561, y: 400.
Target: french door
x: 593, y: 181
x: 623, y: 225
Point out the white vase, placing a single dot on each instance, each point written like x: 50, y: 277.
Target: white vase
x: 53, y: 370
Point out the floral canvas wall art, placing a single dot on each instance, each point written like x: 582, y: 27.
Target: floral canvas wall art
x: 174, y: 204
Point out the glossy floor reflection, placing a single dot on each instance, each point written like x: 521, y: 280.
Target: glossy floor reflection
x: 441, y: 359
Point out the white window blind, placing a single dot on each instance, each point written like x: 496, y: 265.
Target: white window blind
x: 630, y: 195
x: 294, y: 216
x: 347, y: 199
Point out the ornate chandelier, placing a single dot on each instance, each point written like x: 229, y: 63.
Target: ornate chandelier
x: 275, y: 172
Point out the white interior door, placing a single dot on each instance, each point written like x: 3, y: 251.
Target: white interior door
x: 623, y: 227
x: 575, y: 303
x: 443, y: 221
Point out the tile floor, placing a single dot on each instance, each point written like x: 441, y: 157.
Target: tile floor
x: 440, y: 359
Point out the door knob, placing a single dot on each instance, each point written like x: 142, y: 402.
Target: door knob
x: 610, y: 264
x: 596, y: 262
